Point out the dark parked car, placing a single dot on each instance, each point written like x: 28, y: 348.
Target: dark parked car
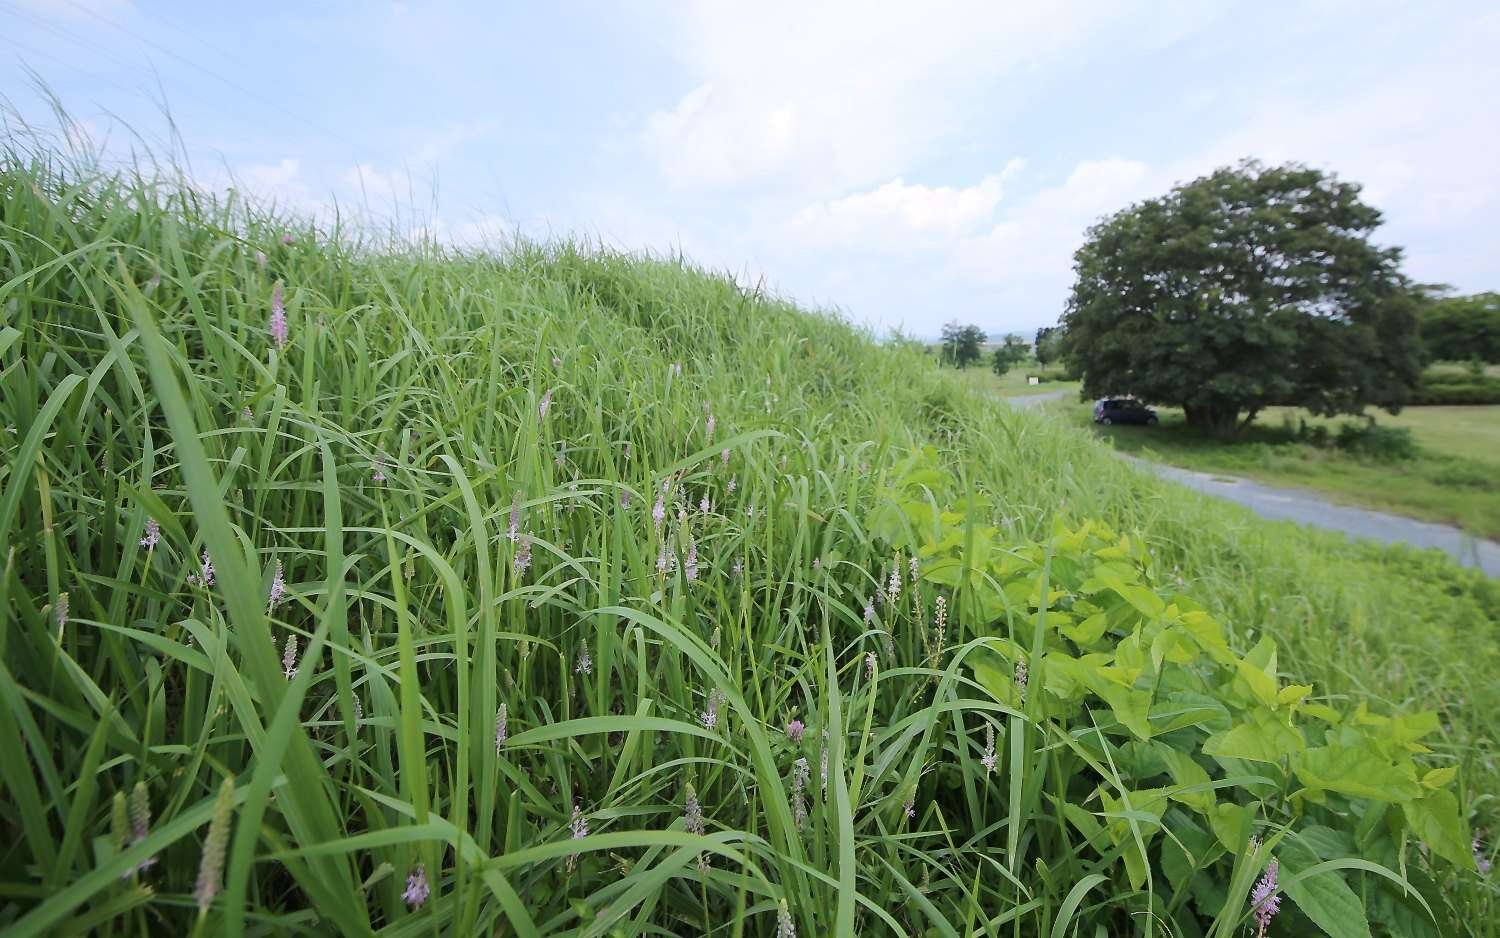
x: 1123, y: 410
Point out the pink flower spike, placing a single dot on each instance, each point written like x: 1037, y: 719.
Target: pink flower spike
x: 794, y: 730
x: 417, y: 889
x: 279, y: 329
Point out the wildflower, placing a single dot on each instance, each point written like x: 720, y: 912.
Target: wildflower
x: 801, y: 770
x: 62, y: 611
x: 502, y: 731
x: 286, y: 238
x: 515, y: 517
x: 417, y: 889
x: 893, y: 589
x: 784, y: 926
x: 289, y: 657
x: 817, y: 561
x: 659, y: 511
x: 988, y: 759
x: 211, y: 867
x: 377, y: 470
x: 710, y: 715
x: 1480, y: 860
x: 794, y: 731
x: 709, y: 426
x: 677, y: 369
x: 278, y: 587
x: 870, y: 665
x: 690, y: 567
x: 713, y: 640
x: 869, y: 613
x: 260, y: 261
x: 909, y: 807
x: 733, y: 483
x: 556, y: 361
x: 692, y: 821
x: 737, y: 567
x: 562, y: 454
x: 579, y: 824
x: 1264, y: 900
x: 663, y: 559
x: 546, y: 402
x: 523, y: 555
x: 913, y: 566
x: 625, y: 499
x: 1021, y: 678
x: 704, y: 505
x: 724, y: 456
x: 940, y: 627
x: 153, y: 534
x: 205, y: 576
x: 359, y: 710
x: 278, y: 317
x: 585, y: 663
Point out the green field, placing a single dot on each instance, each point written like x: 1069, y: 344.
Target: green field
x: 1014, y: 382
x: 573, y: 593
x: 1455, y: 478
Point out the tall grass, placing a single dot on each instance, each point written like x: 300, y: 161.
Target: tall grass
x: 534, y: 407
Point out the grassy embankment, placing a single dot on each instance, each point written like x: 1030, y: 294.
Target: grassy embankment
x: 436, y: 501
x: 1453, y: 478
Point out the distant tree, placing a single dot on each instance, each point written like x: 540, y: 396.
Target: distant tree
x: 1047, y: 339
x: 1251, y: 287
x: 971, y: 345
x: 1456, y: 328
x: 962, y: 345
x: 1011, y: 352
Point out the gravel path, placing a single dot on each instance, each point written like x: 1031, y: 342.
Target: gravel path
x: 1288, y: 504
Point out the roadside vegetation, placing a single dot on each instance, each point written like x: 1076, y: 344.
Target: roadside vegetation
x: 354, y: 587
x: 1434, y: 463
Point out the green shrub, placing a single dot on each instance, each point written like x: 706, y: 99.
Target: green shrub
x: 1456, y: 387
x: 1374, y: 441
x: 1170, y: 762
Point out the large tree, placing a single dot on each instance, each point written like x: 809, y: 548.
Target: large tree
x: 1251, y: 287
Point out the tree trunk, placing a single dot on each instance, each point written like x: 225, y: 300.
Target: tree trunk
x: 1216, y: 420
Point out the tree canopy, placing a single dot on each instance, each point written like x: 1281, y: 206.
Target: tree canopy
x: 1009, y: 353
x: 1462, y: 328
x: 1047, y: 339
x: 1250, y: 287
x: 962, y: 345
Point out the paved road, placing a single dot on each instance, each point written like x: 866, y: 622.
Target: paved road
x: 1287, y: 504
x: 1031, y: 400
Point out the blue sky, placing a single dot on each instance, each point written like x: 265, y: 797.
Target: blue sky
x: 907, y: 163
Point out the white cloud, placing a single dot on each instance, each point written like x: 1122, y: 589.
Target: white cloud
x: 1034, y: 242
x: 839, y: 95
x: 898, y: 217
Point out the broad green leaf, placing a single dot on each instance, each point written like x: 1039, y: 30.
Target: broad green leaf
x: 1357, y: 772
x: 1437, y: 778
x: 1434, y: 818
x: 1324, y: 897
x: 1231, y: 824
x: 1263, y: 739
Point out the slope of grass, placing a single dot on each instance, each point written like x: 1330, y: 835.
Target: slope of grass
x: 1455, y: 478
x: 616, y: 505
